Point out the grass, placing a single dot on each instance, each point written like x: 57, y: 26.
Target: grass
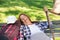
x: 33, y: 8
x: 57, y: 38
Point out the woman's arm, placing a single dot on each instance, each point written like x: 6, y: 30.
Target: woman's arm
x: 44, y: 25
x: 21, y: 33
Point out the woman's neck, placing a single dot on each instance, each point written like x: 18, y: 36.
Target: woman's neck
x: 29, y: 23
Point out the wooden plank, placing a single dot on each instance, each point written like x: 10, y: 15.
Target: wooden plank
x: 55, y: 31
x: 1, y: 24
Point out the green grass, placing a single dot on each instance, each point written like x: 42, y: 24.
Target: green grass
x: 33, y: 8
x: 57, y: 38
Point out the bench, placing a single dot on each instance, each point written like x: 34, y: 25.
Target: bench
x: 55, y: 27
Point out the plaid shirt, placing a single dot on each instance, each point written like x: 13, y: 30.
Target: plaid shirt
x: 25, y: 30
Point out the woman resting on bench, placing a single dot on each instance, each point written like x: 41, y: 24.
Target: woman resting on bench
x: 31, y: 31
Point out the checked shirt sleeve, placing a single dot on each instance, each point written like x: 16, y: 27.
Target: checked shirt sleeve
x: 21, y: 33
x: 27, y: 32
x: 24, y: 32
x: 42, y: 26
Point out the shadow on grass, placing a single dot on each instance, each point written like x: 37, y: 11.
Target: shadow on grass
x: 38, y: 3
x: 16, y: 12
x: 34, y: 3
x: 9, y: 3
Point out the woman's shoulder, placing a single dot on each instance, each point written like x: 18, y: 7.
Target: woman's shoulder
x: 22, y: 26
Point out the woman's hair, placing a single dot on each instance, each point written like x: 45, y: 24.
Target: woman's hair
x: 21, y: 20
x: 17, y: 23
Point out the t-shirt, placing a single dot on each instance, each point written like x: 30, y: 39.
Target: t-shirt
x: 34, y: 29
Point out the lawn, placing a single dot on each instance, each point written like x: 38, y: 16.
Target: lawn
x: 57, y: 38
x: 33, y: 8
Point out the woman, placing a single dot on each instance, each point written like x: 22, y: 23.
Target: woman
x: 30, y: 30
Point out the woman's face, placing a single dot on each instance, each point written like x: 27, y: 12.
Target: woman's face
x: 25, y: 19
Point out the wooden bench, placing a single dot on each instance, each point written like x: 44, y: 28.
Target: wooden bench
x: 55, y: 27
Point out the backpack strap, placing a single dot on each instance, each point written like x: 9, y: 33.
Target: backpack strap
x: 3, y: 29
x: 8, y: 28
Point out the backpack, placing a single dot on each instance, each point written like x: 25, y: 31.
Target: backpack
x: 10, y: 31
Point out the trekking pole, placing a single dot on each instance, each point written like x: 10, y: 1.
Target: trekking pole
x: 48, y: 19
